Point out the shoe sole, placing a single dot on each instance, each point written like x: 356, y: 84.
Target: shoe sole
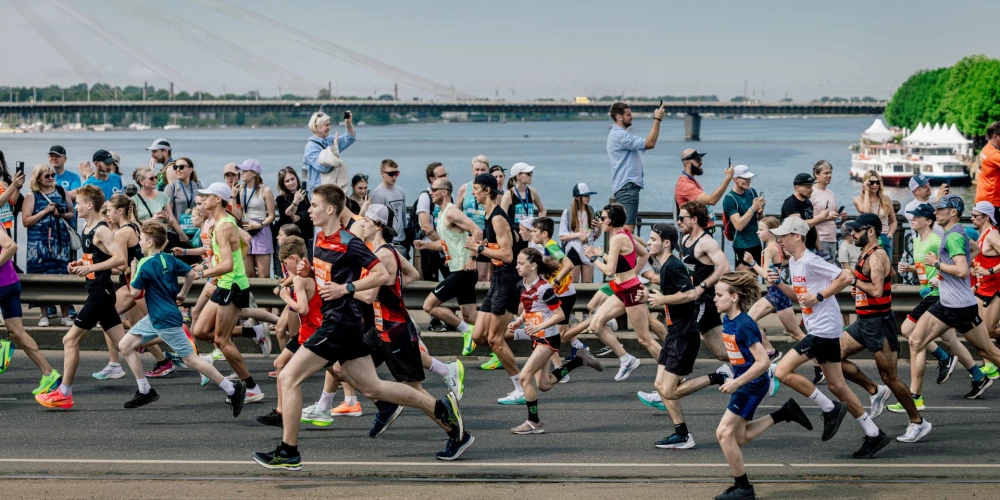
x: 114, y: 376
x: 590, y: 361
x: 392, y: 418
x: 777, y: 357
x: 882, y: 444
x: 254, y: 398
x: 316, y: 422
x: 164, y: 374
x: 278, y: 467
x: 836, y: 426
x: 156, y: 397
x: 628, y: 371
x: 903, y: 410
x: 240, y: 400
x: 55, y: 406
x: 683, y: 446
x: 775, y: 386
x: 658, y: 406
x: 919, y: 436
x: 348, y: 414
x: 461, y: 379
x: 525, y: 433
x: 509, y: 402
x: 491, y: 367
x: 461, y: 450
x: 949, y: 372
x: 989, y: 383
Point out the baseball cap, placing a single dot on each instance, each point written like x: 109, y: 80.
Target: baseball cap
x: 582, y: 189
x: 865, y: 221
x: 951, y: 201
x: 923, y: 210
x: 251, y: 164
x: 382, y: 215
x: 160, y: 143
x: 986, y: 208
x: 804, y: 180
x: 103, y: 156
x: 220, y: 189
x: 116, y: 159
x: 691, y: 154
x: 494, y: 168
x: 230, y: 168
x: 666, y: 232
x: 742, y: 172
x: 521, y: 168
x: 487, y: 180
x: 917, y: 181
x: 791, y: 225
x: 528, y: 222
x: 57, y: 150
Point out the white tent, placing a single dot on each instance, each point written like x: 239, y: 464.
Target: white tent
x: 914, y: 136
x: 878, y: 132
x: 953, y: 136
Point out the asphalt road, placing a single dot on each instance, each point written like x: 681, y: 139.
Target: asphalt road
x: 595, y: 429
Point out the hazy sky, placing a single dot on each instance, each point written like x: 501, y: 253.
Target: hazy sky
x: 524, y: 49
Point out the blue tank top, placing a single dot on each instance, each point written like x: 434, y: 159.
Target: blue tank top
x: 473, y: 209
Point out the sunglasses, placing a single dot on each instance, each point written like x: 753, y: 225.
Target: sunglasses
x: 363, y: 177
x: 394, y: 173
x: 681, y: 218
x: 434, y: 190
x: 151, y: 178
x: 230, y: 174
x: 180, y: 166
x: 48, y: 176
x: 874, y: 182
x: 860, y: 229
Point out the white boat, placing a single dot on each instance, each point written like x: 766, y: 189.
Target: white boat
x: 935, y: 150
x: 886, y: 159
x: 138, y: 126
x: 171, y: 127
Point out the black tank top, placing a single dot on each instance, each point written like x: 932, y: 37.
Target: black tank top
x: 93, y: 255
x: 698, y: 270
x: 491, y: 234
x: 134, y: 253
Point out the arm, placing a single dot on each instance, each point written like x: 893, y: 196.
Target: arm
x: 424, y: 217
x: 892, y: 223
x: 654, y: 132
x: 7, y: 248
x: 656, y: 299
x: 311, y: 157
x: 838, y: 284
x: 712, y: 199
x: 268, y: 196
x: 13, y: 190
x: 505, y: 201
x: 740, y: 221
x: 566, y: 267
x: 760, y: 365
x: 349, y: 122
x: 186, y: 287
x: 460, y: 197
x: 103, y: 238
x: 714, y: 253
x: 608, y: 263
x: 377, y: 276
x: 768, y: 258
x: 879, y: 266
x: 537, y: 199
x: 642, y: 255
x: 301, y: 303
x: 410, y: 273
x: 505, y: 240
x: 122, y: 239
x: 28, y: 215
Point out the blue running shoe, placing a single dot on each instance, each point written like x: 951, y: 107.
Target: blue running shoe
x: 383, y: 419
x: 454, y: 449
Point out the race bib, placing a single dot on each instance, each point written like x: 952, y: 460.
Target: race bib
x: 494, y: 246
x: 88, y: 260
x: 735, y: 356
x: 802, y: 289
x: 921, y: 272
x: 378, y: 316
x: 322, y: 271
x: 666, y: 315
x: 185, y: 221
x: 860, y: 299
x: 534, y: 318
x: 447, y: 256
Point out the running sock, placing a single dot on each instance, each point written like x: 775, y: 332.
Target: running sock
x: 743, y: 482
x: 353, y: 400
x: 716, y: 378
x: 681, y: 430
x: 517, y: 383
x: 564, y: 370
x: 438, y: 367
x: 143, y: 385
x: 577, y: 344
x: 66, y: 390
x: 227, y: 385
x: 871, y: 430
x: 781, y: 415
x: 915, y: 396
x: 289, y: 449
x: 976, y: 373
x: 250, y: 383
x: 383, y: 406
x: 533, y: 411
x: 114, y: 365
x: 940, y: 354
x: 326, y: 400
x: 463, y: 326
x: 824, y: 402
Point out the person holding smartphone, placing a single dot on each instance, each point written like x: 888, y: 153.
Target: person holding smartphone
x: 743, y: 207
x: 824, y: 199
x: 319, y: 125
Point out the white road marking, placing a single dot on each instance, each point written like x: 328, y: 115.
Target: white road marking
x: 929, y: 408
x: 8, y: 399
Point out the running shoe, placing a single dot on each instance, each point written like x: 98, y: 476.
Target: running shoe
x: 273, y: 419
x: 278, y: 460
x: 978, y: 388
x: 67, y: 321
x: 726, y: 370
x: 945, y: 368
x: 272, y: 374
x: 795, y: 414
x: 456, y: 378
x: 468, y: 345
x: 141, y: 399
x: 914, y: 432
x: 51, y: 311
x: 776, y: 356
x: 252, y: 396
x: 48, y: 383
x: 233, y: 376
x: 176, y: 360
x: 161, y: 369
x: 239, y: 397
x: 383, y: 419
x: 515, y: 397
x: 55, y: 399
x: 529, y: 427
x: 652, y: 400
x: 6, y: 354
x: 774, y: 383
x: 832, y: 420
x: 675, y: 442
x: 492, y: 364
x: 454, y: 449
x: 588, y: 360
x: 564, y: 380
x: 871, y: 445
x: 613, y: 324
x: 990, y: 370
x: 71, y: 313
x: 819, y: 378
x: 437, y: 325
x: 572, y: 353
x: 263, y: 339
x: 210, y: 360
x: 626, y: 369
x: 878, y: 400
x: 735, y: 492
x: 315, y: 416
x: 346, y: 410
x: 451, y: 414
x: 604, y: 352
x: 109, y: 371
x: 217, y: 354
x: 43, y: 321
x: 898, y: 407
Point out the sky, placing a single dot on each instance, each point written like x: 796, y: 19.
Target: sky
x: 513, y: 50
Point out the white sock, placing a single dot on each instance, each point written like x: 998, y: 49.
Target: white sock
x: 143, y: 385
x: 326, y: 400
x: 517, y: 383
x: 255, y: 389
x: 439, y: 367
x: 824, y: 402
x: 577, y: 344
x: 114, y: 365
x: 463, y: 326
x: 353, y: 400
x: 519, y: 334
x: 626, y: 359
x: 66, y: 390
x: 871, y: 430
x: 227, y: 385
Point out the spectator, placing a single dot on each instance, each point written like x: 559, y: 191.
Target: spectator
x: 359, y: 194
x: 988, y: 178
x: 392, y: 196
x: 920, y: 186
x: 256, y: 208
x: 45, y: 213
x: 319, y: 125
x: 116, y: 162
x: 873, y: 200
x: 626, y: 165
x: 182, y: 193
x: 689, y: 189
x: 102, y: 174
x: 499, y: 174
x: 231, y: 174
x: 10, y: 194
x: 579, y: 227
x: 431, y: 261
x: 799, y: 205
x: 743, y: 207
x: 160, y: 151
x: 150, y: 203
x: 66, y: 179
x: 291, y: 206
x: 464, y: 199
x: 521, y: 201
x: 826, y: 231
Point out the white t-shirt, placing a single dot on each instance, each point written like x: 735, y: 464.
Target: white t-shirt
x: 424, y: 207
x: 811, y: 274
x: 823, y: 199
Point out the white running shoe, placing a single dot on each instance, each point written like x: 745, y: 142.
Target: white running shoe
x: 43, y: 321
x: 109, y: 372
x: 263, y: 339
x: 626, y: 369
x: 564, y: 380
x: 315, y: 416
x: 775, y: 384
x: 252, y: 397
x: 914, y: 432
x: 455, y: 378
x: 67, y: 321
x: 613, y: 324
x: 514, y: 398
x: 726, y: 370
x: 879, y: 399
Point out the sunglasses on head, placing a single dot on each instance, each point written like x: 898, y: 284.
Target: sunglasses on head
x: 363, y: 177
x: 394, y: 173
x: 496, y: 168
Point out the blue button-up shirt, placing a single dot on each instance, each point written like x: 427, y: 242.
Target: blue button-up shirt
x: 623, y: 151
x: 314, y: 146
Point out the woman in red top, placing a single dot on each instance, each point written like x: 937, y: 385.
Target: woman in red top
x: 986, y: 265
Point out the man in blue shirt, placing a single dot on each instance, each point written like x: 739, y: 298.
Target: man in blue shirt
x: 319, y: 124
x: 626, y: 165
x: 104, y: 175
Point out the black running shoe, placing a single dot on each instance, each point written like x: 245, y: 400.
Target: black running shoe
x: 978, y: 388
x: 871, y: 445
x: 454, y: 449
x: 945, y: 368
x: 437, y: 325
x: 736, y: 493
x: 239, y: 397
x: 383, y: 419
x: 452, y: 416
x: 141, y: 399
x: 820, y: 377
x: 273, y: 419
x: 604, y: 352
x: 278, y: 460
x: 796, y: 414
x: 832, y: 420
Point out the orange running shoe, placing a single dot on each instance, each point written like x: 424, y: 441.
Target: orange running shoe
x: 346, y: 410
x: 55, y: 399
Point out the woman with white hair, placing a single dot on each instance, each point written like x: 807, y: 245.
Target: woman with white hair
x: 319, y: 124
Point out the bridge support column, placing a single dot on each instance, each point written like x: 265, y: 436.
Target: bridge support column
x: 692, y: 127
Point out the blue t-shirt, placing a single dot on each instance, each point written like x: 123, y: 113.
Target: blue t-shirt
x: 68, y: 180
x: 738, y: 335
x: 157, y: 275
x: 733, y: 204
x: 111, y: 186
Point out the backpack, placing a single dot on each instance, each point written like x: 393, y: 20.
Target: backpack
x: 412, y: 229
x: 729, y: 229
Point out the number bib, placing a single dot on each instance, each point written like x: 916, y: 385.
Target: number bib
x: 921, y: 272
x: 860, y: 299
x: 666, y: 315
x: 185, y: 221
x: 802, y: 289
x: 735, y: 356
x: 88, y: 260
x: 535, y: 319
x: 447, y: 256
x: 494, y: 246
x: 378, y: 316
x: 322, y: 271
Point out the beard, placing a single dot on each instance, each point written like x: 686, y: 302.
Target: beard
x: 697, y: 170
x: 862, y: 241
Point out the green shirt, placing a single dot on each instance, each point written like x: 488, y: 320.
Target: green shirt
x: 920, y: 249
x: 565, y: 287
x: 239, y: 274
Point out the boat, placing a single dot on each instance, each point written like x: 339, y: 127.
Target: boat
x: 171, y: 127
x: 935, y: 152
x: 886, y: 159
x: 138, y: 126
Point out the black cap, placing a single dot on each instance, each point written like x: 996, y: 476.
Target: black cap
x: 58, y: 150
x: 923, y: 210
x: 804, y: 180
x: 667, y: 232
x: 103, y: 156
x: 865, y: 221
x: 494, y: 168
x: 693, y: 155
x: 487, y: 180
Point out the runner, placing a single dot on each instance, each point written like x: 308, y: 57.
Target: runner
x: 155, y: 279
x: 734, y: 295
x: 875, y: 328
x: 986, y: 270
x: 775, y: 301
x: 542, y: 314
x: 101, y: 254
x: 561, y: 281
x: 813, y: 279
x: 338, y: 259
x: 475, y: 211
x: 453, y: 228
x: 957, y: 308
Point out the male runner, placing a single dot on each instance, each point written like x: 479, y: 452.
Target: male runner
x: 814, y: 279
x: 453, y: 228
x: 101, y: 254
x: 338, y: 259
x: 875, y: 328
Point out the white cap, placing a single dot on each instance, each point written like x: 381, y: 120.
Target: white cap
x: 986, y: 208
x: 791, y: 225
x: 160, y: 143
x: 742, y: 172
x: 382, y: 215
x: 528, y: 222
x: 220, y: 189
x: 521, y: 168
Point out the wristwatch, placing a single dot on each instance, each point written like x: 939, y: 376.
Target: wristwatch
x: 937, y: 265
x: 350, y: 288
x: 819, y: 297
x: 593, y: 258
x: 703, y: 285
x: 481, y: 248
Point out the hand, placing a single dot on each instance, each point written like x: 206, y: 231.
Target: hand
x: 902, y: 267
x: 419, y: 244
x: 284, y: 293
x: 655, y: 298
x: 843, y: 215
x: 303, y: 269
x: 729, y: 172
x: 50, y: 208
x: 336, y: 141
x: 590, y: 251
x: 596, y: 223
x: 470, y: 265
x: 747, y: 258
x: 18, y: 180
x: 758, y: 204
x: 182, y: 237
x: 472, y: 244
x: 177, y: 251
x: 180, y: 298
x: 944, y: 190
x: 807, y: 299
x: 350, y: 117
x: 660, y: 111
x: 299, y: 196
x: 833, y: 216
x: 86, y: 170
x: 772, y: 277
x: 513, y: 325
x: 333, y: 291
x: 980, y: 272
x: 729, y: 387
x: 253, y: 226
x: 161, y: 216
x: 823, y: 214
x: 930, y: 259
x: 80, y: 270
x: 532, y: 329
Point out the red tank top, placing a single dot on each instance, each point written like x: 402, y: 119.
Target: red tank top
x: 310, y: 322
x: 626, y: 262
x: 872, y: 306
x: 989, y: 284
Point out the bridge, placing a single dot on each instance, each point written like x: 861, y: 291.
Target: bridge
x: 693, y: 111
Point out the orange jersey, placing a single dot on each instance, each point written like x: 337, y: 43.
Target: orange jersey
x: 988, y: 180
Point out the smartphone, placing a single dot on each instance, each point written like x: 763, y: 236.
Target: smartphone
x: 661, y: 103
x: 841, y: 209
x: 20, y: 168
x: 347, y: 115
x: 730, y: 160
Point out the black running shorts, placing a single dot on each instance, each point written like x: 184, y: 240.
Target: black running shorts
x: 962, y: 319
x: 502, y: 296
x: 873, y: 332
x: 235, y: 295
x: 708, y: 316
x: 401, y: 354
x: 337, y: 343
x: 922, y: 307
x: 822, y: 349
x: 98, y: 308
x: 460, y: 285
x: 566, y: 304
x: 679, y: 354
x: 293, y: 343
